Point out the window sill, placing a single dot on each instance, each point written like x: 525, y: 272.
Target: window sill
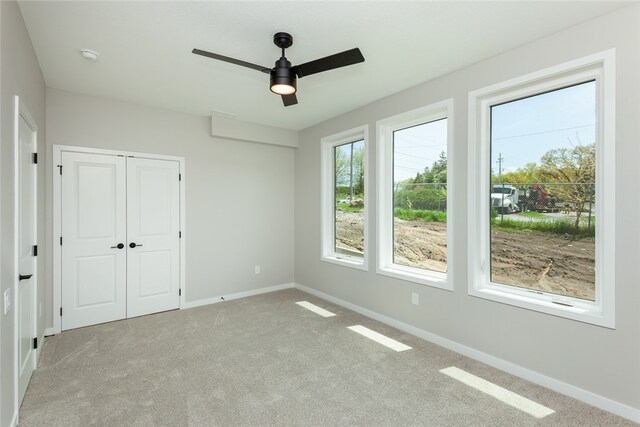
x: 346, y: 261
x: 423, y: 277
x: 518, y: 298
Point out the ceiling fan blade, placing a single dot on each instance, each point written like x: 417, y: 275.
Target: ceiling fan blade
x: 288, y: 100
x: 342, y: 59
x: 231, y: 60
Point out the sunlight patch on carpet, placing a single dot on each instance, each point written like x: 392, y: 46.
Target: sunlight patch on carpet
x: 318, y: 310
x: 379, y: 338
x: 510, y: 398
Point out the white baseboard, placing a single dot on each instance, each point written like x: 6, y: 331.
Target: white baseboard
x: 39, y: 349
x: 588, y: 397
x: 221, y: 298
x: 236, y: 295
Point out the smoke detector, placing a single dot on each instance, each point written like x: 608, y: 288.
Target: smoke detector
x: 89, y: 54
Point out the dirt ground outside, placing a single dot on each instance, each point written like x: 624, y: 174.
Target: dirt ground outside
x: 541, y: 261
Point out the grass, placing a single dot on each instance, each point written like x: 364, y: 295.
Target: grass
x: 411, y: 214
x: 508, y: 225
x: 532, y: 214
x: 346, y: 207
x: 555, y: 227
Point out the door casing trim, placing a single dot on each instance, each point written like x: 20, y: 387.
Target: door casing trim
x: 20, y: 110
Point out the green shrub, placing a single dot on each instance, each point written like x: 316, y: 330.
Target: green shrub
x: 494, y: 212
x: 422, y: 199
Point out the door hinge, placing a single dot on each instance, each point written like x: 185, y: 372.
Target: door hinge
x: 179, y: 292
x: 60, y: 311
x: 35, y: 343
x: 60, y: 240
x: 179, y: 234
x: 179, y: 177
x: 35, y: 158
x: 60, y: 166
x: 35, y: 250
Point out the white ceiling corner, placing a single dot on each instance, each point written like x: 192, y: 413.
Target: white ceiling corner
x: 145, y: 48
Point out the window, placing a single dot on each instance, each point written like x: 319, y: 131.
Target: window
x: 344, y: 190
x: 414, y: 161
x: 541, y: 191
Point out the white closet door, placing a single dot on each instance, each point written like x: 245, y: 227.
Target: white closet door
x: 93, y: 224
x: 153, y: 224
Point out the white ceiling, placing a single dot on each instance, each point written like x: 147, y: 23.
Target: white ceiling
x: 145, y: 48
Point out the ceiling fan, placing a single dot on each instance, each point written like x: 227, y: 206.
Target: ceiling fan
x: 283, y: 75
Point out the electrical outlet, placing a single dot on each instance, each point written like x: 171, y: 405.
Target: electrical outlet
x: 415, y: 298
x: 257, y: 269
x: 7, y: 300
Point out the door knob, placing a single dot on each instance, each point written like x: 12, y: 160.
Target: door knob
x: 118, y: 246
x: 24, y: 277
x: 133, y: 245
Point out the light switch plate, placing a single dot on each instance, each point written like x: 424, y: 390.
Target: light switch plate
x: 7, y: 301
x: 415, y: 298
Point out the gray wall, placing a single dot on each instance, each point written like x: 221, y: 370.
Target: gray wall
x: 20, y: 75
x: 600, y: 360
x: 240, y: 208
x: 239, y: 195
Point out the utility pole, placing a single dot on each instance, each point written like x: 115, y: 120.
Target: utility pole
x: 500, y: 160
x: 351, y: 175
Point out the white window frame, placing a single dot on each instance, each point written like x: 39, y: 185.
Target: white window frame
x: 328, y: 202
x: 385, y: 217
x: 601, y: 68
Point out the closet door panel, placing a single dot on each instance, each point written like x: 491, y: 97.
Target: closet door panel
x: 93, y: 224
x: 153, y: 225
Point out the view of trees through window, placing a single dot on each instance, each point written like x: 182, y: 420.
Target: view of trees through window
x: 543, y: 175
x: 350, y: 199
x: 420, y: 196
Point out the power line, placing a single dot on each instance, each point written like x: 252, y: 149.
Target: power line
x: 408, y: 168
x: 414, y: 157
x: 417, y: 164
x: 441, y: 145
x: 543, y: 132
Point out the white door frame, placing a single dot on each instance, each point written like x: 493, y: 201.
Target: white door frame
x: 56, y: 160
x: 20, y: 110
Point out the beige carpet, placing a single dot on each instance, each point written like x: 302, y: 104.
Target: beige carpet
x: 264, y: 360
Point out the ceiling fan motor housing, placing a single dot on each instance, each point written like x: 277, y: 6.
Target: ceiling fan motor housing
x: 282, y: 74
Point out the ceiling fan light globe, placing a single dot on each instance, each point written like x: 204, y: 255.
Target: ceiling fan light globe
x: 283, y: 89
